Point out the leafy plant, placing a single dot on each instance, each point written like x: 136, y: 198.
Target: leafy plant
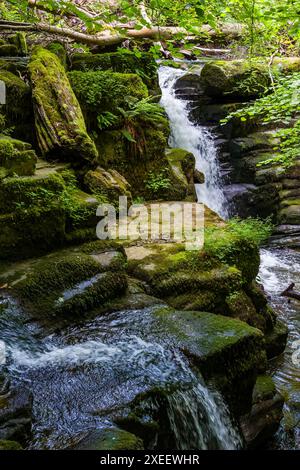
x: 106, y: 120
x: 280, y: 107
x: 156, y: 183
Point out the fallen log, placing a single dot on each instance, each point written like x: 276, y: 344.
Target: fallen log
x: 289, y: 292
x: 108, y: 37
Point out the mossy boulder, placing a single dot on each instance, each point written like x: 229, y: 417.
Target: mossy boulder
x: 66, y: 286
x: 103, y: 92
x: 18, y: 108
x: 19, y: 41
x: 10, y: 445
x: 59, y: 50
x: 123, y: 61
x: 8, y: 50
x: 276, y: 339
x: 262, y: 422
x: 107, y: 185
x: 113, y: 439
x: 243, y: 79
x: 17, y: 157
x: 182, y: 164
x: 116, y: 152
x: 60, y: 126
x: 224, y: 349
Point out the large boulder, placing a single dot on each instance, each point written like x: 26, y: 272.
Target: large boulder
x: 108, y: 185
x: 17, y: 157
x: 112, y: 439
x: 60, y: 126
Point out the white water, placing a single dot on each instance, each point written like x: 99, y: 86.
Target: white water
x: 97, y: 374
x: 195, y: 139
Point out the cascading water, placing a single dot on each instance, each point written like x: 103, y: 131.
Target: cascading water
x: 195, y: 139
x: 82, y: 375
x: 279, y: 268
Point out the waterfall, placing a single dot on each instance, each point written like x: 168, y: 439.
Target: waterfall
x: 78, y: 377
x: 195, y: 139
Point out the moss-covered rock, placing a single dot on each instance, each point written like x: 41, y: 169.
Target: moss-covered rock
x: 17, y: 157
x: 113, y: 439
x: 103, y: 92
x: 116, y: 152
x: 8, y: 50
x: 60, y: 126
x: 18, y: 108
x: 10, y: 445
x: 59, y: 50
x: 107, y: 185
x: 266, y: 413
x: 123, y: 61
x: 226, y: 350
x: 276, y: 339
x: 69, y: 285
x: 19, y: 41
x: 182, y: 164
x: 241, y: 78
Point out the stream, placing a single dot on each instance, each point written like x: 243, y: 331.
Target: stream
x: 279, y: 266
x: 130, y: 354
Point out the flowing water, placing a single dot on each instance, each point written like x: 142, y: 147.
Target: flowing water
x: 85, y: 376
x: 196, y: 139
x: 279, y: 268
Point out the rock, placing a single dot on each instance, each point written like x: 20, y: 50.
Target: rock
x: 63, y: 287
x: 182, y: 164
x: 8, y: 50
x: 276, y: 339
x: 10, y: 445
x: 122, y: 62
x: 59, y: 50
x: 112, y: 439
x: 15, y: 414
x: 241, y: 78
x: 213, y: 343
x: 18, y: 108
x: 17, y: 157
x: 108, y: 185
x: 289, y: 215
x: 199, y: 177
x: 266, y: 413
x: 106, y: 92
x: 60, y: 126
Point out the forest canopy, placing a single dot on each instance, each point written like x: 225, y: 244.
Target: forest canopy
x: 265, y: 26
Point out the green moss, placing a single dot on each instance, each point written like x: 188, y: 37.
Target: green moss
x: 17, y: 157
x: 264, y: 389
x: 100, y: 92
x: 18, y: 107
x: 10, y: 445
x: 59, y: 50
x: 122, y: 61
x: 8, y: 50
x: 225, y: 349
x: 112, y: 439
x: 31, y: 232
x: 59, y: 121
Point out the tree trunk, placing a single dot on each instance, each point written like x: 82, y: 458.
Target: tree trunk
x: 108, y: 38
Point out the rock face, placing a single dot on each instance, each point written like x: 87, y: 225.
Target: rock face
x: 60, y: 125
x: 15, y: 416
x: 108, y: 185
x: 266, y: 413
x: 110, y: 439
x: 251, y: 189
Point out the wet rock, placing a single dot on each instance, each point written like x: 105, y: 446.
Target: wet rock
x: 182, y: 164
x: 60, y: 125
x: 266, y: 413
x: 15, y: 414
x: 224, y: 349
x: 275, y: 340
x: 108, y: 184
x: 10, y: 445
x: 110, y: 439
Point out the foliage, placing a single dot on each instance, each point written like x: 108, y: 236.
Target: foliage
x: 156, y: 183
x: 218, y: 243
x: 280, y: 107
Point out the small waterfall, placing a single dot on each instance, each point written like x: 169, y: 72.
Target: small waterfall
x: 79, y: 377
x: 195, y: 139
